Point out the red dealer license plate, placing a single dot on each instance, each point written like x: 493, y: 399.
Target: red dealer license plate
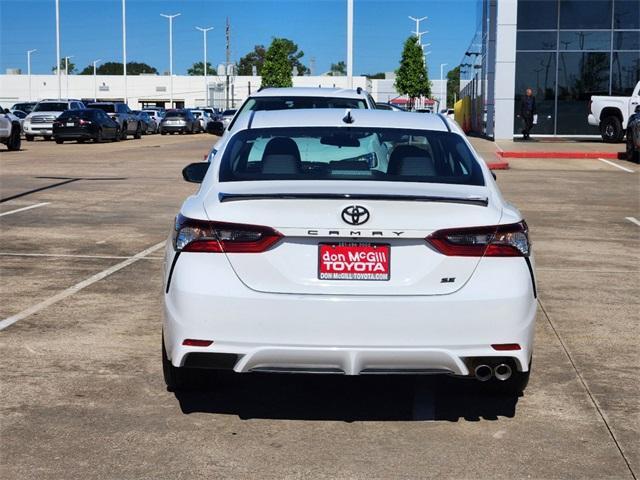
x: 354, y: 261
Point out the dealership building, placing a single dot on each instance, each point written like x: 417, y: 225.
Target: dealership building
x: 564, y: 50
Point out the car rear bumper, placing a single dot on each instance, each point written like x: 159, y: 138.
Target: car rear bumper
x: 73, y: 133
x: 174, y: 128
x: 348, y: 333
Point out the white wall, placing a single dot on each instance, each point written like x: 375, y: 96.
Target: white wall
x: 382, y: 90
x: 505, y: 69
x: 150, y: 88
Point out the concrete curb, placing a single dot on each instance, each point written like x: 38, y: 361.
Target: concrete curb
x: 564, y: 155
x: 498, y: 165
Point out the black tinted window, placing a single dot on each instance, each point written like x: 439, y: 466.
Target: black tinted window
x: 104, y: 107
x: 537, y: 14
x: 370, y: 154
x: 51, y: 107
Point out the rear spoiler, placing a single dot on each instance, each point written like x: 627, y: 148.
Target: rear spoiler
x: 235, y: 197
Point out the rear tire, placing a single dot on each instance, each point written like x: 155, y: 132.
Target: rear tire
x: 59, y: 142
x: 633, y: 154
x: 29, y: 138
x: 175, y: 378
x: 123, y: 132
x: 611, y: 130
x: 116, y: 137
x: 98, y: 138
x: 47, y: 138
x: 138, y: 134
x: 14, y: 140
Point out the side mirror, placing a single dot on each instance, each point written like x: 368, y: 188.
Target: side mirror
x: 6, y: 110
x: 215, y: 128
x: 195, y: 172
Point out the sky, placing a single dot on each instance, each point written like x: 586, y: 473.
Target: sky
x: 91, y: 29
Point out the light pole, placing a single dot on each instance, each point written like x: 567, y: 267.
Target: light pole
x: 350, y: 43
x: 66, y: 72
x: 124, y: 47
x: 204, y: 63
x: 29, y: 52
x: 170, y: 17
x: 417, y: 32
x: 442, y: 65
x: 58, y: 49
x: 95, y: 81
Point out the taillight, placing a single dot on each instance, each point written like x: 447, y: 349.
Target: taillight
x: 85, y: 122
x: 191, y: 235
x: 495, y: 241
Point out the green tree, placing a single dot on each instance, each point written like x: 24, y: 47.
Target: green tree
x: 453, y: 85
x: 115, y: 68
x: 72, y: 67
x: 375, y: 76
x: 196, y: 69
x: 276, y: 70
x: 338, y: 69
x: 251, y: 59
x: 412, y: 78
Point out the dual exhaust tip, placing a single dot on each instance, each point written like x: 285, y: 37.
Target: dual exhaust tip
x: 502, y: 372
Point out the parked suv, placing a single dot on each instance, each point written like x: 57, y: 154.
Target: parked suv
x: 127, y: 120
x: 26, y: 107
x: 39, y: 123
x: 9, y: 130
x: 179, y: 120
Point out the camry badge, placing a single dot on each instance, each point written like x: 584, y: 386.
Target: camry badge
x: 355, y: 215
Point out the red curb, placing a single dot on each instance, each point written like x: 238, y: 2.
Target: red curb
x: 567, y: 155
x: 498, y: 165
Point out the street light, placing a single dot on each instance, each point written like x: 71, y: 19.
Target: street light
x: 58, y: 49
x: 170, y: 17
x: 350, y: 43
x: 95, y: 80
x: 66, y: 72
x: 442, y: 65
x: 418, y: 33
x: 204, y: 63
x: 29, y: 52
x: 124, y: 47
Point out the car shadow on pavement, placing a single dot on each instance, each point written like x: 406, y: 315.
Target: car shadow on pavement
x: 346, y: 398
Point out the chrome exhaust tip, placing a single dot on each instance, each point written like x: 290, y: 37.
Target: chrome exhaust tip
x: 502, y: 372
x: 483, y: 372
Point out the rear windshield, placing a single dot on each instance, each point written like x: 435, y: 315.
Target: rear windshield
x: 51, y: 107
x: 327, y: 153
x: 77, y: 114
x: 175, y: 113
x: 104, y: 108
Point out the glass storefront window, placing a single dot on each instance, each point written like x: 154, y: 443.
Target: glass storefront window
x: 625, y: 72
x: 580, y: 75
x: 536, y: 40
x: 626, y: 14
x: 626, y: 40
x: 585, y: 14
x: 536, y: 70
x: 537, y: 14
x: 585, y: 40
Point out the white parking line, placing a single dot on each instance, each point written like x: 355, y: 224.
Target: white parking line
x: 24, y: 208
x: 616, y: 165
x: 65, y: 255
x: 77, y: 287
x: 633, y: 220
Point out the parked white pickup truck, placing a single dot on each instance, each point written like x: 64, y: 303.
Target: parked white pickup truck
x: 612, y: 113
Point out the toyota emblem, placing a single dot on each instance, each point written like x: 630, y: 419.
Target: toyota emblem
x: 355, y: 215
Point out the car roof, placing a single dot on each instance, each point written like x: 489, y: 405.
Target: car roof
x: 310, y: 92
x: 328, y: 117
x: 54, y: 100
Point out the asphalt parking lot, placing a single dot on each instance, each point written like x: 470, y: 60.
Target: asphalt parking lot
x: 82, y: 394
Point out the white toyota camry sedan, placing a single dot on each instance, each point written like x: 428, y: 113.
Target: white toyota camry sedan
x: 348, y: 242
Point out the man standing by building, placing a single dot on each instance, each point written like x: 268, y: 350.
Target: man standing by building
x: 527, y: 112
